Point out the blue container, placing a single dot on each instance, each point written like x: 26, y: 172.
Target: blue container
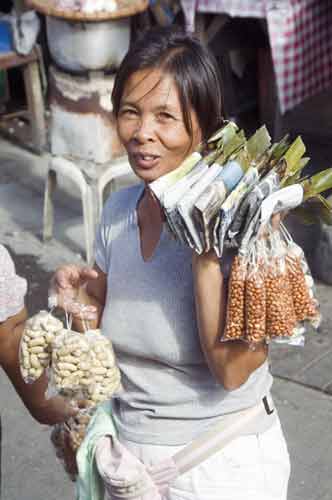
x: 5, y: 37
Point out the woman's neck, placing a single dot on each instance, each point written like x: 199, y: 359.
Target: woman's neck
x: 150, y: 223
x: 150, y: 207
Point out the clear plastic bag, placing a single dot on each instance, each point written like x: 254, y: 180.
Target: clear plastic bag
x: 70, y: 367
x: 271, y: 292
x: 83, y: 367
x: 280, y: 314
x: 235, y: 314
x: 35, y: 346
x: 255, y: 294
x: 62, y: 443
x: 302, y: 284
x: 77, y: 426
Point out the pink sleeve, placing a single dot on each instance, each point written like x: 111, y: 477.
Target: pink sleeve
x: 13, y: 288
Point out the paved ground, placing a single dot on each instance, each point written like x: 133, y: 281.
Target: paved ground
x: 303, y: 376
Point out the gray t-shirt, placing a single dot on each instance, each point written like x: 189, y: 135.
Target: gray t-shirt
x: 170, y: 395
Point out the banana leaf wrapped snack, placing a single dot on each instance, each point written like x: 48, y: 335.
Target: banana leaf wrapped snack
x: 209, y: 201
x: 230, y: 207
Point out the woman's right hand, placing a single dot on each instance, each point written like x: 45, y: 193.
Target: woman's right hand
x: 67, y: 285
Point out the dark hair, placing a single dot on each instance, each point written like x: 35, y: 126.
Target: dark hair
x: 192, y: 66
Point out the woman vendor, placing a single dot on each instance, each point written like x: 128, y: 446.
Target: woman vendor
x: 164, y: 308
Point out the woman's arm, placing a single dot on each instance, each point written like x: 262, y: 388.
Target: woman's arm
x: 33, y: 395
x: 230, y: 362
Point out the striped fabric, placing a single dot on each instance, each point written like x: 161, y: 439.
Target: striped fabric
x: 300, y: 33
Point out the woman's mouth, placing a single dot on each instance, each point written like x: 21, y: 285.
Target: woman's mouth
x: 145, y: 161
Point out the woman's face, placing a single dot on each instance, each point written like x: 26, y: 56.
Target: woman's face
x: 151, y: 127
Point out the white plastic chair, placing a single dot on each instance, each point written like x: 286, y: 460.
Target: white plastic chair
x: 91, y: 192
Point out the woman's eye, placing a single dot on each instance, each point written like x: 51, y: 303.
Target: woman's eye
x: 166, y: 116
x: 128, y: 112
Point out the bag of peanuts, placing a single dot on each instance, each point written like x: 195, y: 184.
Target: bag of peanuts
x: 280, y: 313
x: 246, y: 304
x: 255, y: 293
x: 83, y: 367
x: 68, y: 436
x: 271, y: 292
x: 60, y: 438
x: 235, y: 312
x: 35, y: 346
x: 302, y: 285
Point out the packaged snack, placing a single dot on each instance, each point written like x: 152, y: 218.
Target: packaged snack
x: 230, y: 207
x: 255, y: 295
x: 280, y: 313
x: 68, y: 436
x: 306, y: 305
x: 235, y: 314
x: 76, y: 427
x: 250, y: 207
x: 60, y: 438
x: 185, y: 207
x: 35, y: 346
x: 83, y: 367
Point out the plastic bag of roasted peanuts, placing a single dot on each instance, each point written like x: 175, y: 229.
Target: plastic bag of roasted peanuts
x: 35, y: 347
x: 306, y: 304
x: 246, y: 306
x: 83, y: 367
x: 60, y: 438
x: 235, y: 312
x: 68, y: 436
x: 280, y: 313
x: 255, y: 293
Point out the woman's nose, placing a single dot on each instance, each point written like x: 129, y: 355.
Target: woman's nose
x: 145, y: 130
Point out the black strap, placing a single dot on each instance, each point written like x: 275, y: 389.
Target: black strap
x: 268, y: 410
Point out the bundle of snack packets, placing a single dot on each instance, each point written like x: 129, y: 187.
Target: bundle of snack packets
x: 224, y: 196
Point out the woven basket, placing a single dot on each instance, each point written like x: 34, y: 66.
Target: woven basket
x: 125, y: 8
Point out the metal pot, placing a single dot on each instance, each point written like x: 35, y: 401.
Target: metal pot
x: 87, y: 46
